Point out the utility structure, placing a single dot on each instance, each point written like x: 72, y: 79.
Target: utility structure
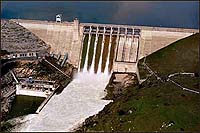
x: 59, y: 18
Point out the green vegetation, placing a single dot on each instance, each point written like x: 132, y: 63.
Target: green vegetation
x: 105, y: 52
x: 84, y: 50
x: 156, y: 106
x: 181, y: 56
x: 91, y: 51
x: 98, y: 53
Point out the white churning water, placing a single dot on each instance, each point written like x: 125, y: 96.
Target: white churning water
x: 79, y: 100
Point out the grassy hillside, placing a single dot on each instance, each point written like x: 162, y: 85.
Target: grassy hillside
x: 153, y: 105
x: 181, y: 56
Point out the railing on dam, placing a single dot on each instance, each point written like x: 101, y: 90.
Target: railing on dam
x: 151, y: 28
x: 111, y: 30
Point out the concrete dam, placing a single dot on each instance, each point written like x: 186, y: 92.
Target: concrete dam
x: 97, y: 50
x: 104, y: 47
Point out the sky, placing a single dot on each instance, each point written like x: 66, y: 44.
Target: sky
x: 150, y: 13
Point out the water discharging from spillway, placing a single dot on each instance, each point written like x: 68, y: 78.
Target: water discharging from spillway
x: 79, y: 100
x: 98, y: 53
x: 82, y: 97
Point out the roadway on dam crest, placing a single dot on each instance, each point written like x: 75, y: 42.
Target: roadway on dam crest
x: 79, y: 100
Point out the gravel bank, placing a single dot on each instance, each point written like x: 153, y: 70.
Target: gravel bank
x: 15, y: 38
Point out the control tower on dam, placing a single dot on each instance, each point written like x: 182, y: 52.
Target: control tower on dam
x: 104, y: 47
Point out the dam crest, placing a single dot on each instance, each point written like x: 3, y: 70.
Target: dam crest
x: 116, y: 48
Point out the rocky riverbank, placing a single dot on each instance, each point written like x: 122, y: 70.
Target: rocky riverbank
x: 118, y: 84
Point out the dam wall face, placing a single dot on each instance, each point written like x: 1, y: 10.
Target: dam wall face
x: 128, y: 43
x: 153, y: 40
x: 104, y: 47
x: 62, y: 37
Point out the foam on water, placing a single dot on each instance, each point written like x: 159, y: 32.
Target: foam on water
x: 79, y: 100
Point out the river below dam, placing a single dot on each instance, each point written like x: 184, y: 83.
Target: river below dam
x: 24, y: 105
x: 22, y: 108
x: 79, y: 100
